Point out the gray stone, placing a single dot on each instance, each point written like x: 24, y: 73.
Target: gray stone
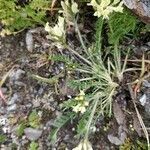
x: 143, y: 99
x: 36, y: 103
x: 12, y: 108
x: 16, y: 75
x: 29, y: 41
x: 146, y: 84
x: 14, y: 99
x: 32, y: 134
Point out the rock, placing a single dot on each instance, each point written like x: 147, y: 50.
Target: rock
x: 4, y: 90
x: 117, y: 140
x: 2, y: 110
x: 143, y: 99
x: 14, y: 99
x: 146, y: 84
x: 36, y: 103
x: 147, y: 109
x: 32, y: 134
x: 6, y: 129
x: 137, y: 125
x: 61, y: 66
x: 4, y: 147
x: 120, y: 138
x: 29, y: 105
x: 3, y: 121
x: 140, y: 8
x: 118, y: 113
x: 40, y: 91
x: 12, y: 108
x: 16, y: 75
x: 29, y: 41
x: 148, y: 43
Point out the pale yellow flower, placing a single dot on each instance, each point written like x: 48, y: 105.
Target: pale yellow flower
x: 74, y: 7
x: 82, y: 109
x: 76, y: 108
x: 79, y: 147
x: 106, y: 7
x: 77, y: 98
x: 47, y: 27
x: 86, y: 103
x: 5, y: 32
x: 84, y: 145
x: 7, y: 21
x: 81, y: 103
x: 81, y: 97
x: 69, y: 10
x: 116, y: 2
x: 81, y: 93
x: 119, y: 8
x: 79, y: 108
x: 58, y: 31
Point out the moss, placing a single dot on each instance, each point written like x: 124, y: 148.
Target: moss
x: 15, y: 17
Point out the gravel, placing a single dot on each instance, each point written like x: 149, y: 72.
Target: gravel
x: 32, y: 134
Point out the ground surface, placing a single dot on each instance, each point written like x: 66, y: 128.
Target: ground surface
x: 24, y: 94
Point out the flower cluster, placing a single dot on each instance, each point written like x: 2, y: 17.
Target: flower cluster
x: 84, y: 145
x: 69, y: 10
x: 106, y: 7
x: 5, y: 32
x: 81, y: 103
x: 57, y: 33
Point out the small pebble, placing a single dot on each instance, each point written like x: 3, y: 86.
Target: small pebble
x: 16, y: 75
x: 6, y: 129
x: 143, y: 99
x: 146, y: 84
x: 14, y: 99
x: 4, y: 90
x: 12, y: 108
x: 148, y: 43
x: 28, y: 105
x: 69, y: 96
x: 29, y: 41
x: 32, y: 134
x: 3, y: 121
x: 40, y: 91
x: 36, y: 103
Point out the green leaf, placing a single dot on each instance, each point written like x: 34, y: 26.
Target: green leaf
x: 98, y: 35
x: 17, y: 17
x: 3, y: 138
x: 53, y: 135
x: 59, y: 123
x: 20, y: 129
x: 34, y: 119
x: 33, y: 146
x: 63, y: 119
x: 120, y: 24
x: 81, y: 127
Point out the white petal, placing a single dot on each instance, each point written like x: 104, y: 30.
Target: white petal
x: 74, y: 8
x: 47, y: 27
